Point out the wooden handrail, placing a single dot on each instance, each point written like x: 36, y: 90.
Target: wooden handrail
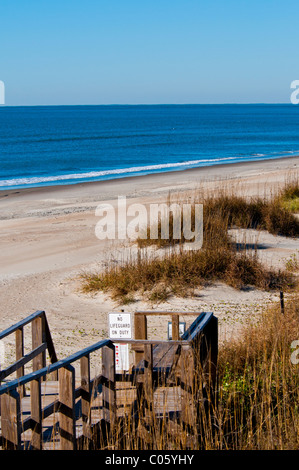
x: 21, y: 323
x: 53, y: 367
x: 41, y: 341
x: 179, y: 362
x: 150, y: 341
x: 196, y: 353
x: 168, y: 313
x: 21, y: 362
x: 64, y: 404
x: 197, y: 326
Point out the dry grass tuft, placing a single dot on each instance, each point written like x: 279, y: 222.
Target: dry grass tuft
x: 178, y: 271
x: 259, y: 385
x: 254, y: 405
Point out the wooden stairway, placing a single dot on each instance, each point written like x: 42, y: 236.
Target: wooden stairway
x: 61, y: 407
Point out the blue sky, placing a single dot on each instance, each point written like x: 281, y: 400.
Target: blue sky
x: 159, y: 51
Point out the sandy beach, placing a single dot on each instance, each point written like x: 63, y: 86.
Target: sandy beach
x: 48, y: 238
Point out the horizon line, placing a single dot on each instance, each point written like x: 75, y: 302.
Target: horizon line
x: 146, y: 104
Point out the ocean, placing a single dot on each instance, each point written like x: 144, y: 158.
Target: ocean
x: 58, y: 145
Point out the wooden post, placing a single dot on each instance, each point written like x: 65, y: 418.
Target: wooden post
x: 209, y: 379
x: 175, y: 327
x: 187, y: 387
x: 148, y: 383
x: 86, y: 398
x: 19, y: 355
x: 214, y: 351
x: 50, y: 347
x: 145, y: 399
x: 109, y: 391
x: 67, y: 418
x: 281, y: 302
x: 140, y: 326
x: 36, y: 414
x: 11, y: 421
x: 38, y: 337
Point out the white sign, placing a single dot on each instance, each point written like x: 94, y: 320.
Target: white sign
x: 182, y: 329
x: 120, y: 327
x: 122, y: 361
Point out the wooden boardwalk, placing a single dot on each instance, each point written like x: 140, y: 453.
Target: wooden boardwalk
x: 58, y: 407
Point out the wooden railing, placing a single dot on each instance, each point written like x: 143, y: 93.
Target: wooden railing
x: 11, y: 425
x: 41, y: 342
x: 203, y: 338
x: 141, y: 330
x: 202, y: 335
x: 188, y: 363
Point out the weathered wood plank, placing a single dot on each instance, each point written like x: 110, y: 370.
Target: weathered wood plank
x: 86, y: 397
x: 21, y: 324
x: 148, y: 386
x: 108, y: 389
x: 11, y: 421
x: 165, y: 359
x: 50, y: 346
x: 175, y: 327
x: 166, y: 313
x: 187, y: 385
x: 19, y: 354
x: 38, y: 338
x: 140, y: 327
x: 115, y: 399
x: 67, y: 418
x: 22, y: 361
x: 36, y: 414
x: 145, y: 398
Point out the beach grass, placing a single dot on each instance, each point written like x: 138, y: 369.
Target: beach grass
x: 172, y: 270
x: 290, y: 196
x: 254, y: 403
